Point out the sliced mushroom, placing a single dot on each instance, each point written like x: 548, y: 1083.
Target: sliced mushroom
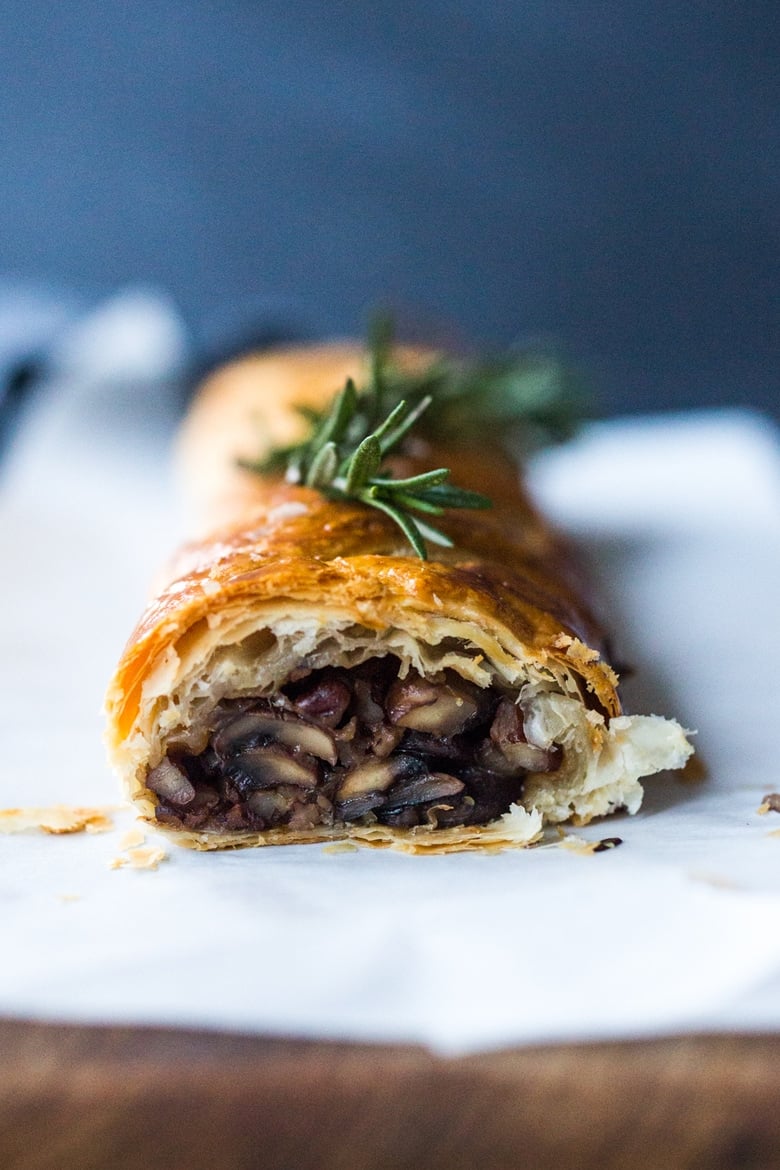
x: 358, y: 806
x: 314, y: 740
x: 400, y: 818
x: 377, y: 776
x: 434, y: 786
x: 171, y: 783
x: 437, y: 708
x: 243, y: 731
x: 267, y: 767
x: 251, y: 728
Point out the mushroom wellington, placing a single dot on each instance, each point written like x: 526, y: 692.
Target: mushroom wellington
x: 377, y: 637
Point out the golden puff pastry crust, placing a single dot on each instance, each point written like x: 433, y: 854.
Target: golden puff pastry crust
x: 286, y: 584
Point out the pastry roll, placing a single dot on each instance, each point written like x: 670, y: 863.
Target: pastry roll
x: 303, y: 676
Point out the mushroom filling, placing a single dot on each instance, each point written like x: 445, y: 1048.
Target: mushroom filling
x: 357, y: 745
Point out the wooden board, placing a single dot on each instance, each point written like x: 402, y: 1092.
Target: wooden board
x: 83, y: 1098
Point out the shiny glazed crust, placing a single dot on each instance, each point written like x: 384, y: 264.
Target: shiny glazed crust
x: 297, y: 578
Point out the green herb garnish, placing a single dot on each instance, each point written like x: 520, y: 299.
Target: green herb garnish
x: 344, y: 460
x: 527, y: 399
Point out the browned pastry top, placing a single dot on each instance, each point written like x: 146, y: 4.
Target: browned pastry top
x: 507, y: 569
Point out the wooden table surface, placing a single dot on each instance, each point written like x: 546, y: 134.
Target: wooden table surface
x: 85, y: 1098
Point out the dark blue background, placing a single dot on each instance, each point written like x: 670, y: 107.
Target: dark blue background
x: 604, y: 173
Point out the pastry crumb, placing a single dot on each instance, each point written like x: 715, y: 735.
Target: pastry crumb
x: 59, y: 818
x: 69, y: 897
x: 580, y: 845
x: 576, y: 650
x: 340, y: 847
x: 146, y: 857
x: 770, y: 803
x: 132, y: 837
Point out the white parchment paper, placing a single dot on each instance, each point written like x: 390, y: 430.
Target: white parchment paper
x: 677, y: 929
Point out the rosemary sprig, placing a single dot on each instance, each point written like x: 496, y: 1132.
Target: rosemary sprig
x: 528, y: 399
x: 342, y: 465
